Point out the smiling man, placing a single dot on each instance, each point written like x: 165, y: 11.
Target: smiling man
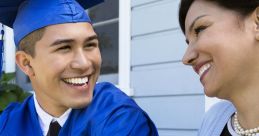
x: 59, y: 51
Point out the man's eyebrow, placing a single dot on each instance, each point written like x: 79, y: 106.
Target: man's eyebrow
x: 62, y: 41
x: 90, y: 38
x: 194, y: 21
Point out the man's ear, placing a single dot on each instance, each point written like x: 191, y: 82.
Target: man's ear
x: 256, y: 18
x: 23, y: 59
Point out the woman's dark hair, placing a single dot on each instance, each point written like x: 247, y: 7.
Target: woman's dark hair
x: 243, y: 7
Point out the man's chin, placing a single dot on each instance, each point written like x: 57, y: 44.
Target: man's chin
x: 80, y: 105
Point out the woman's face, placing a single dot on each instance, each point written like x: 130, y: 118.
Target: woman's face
x: 222, y: 48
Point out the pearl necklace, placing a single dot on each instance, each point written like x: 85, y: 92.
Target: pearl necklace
x: 244, y: 132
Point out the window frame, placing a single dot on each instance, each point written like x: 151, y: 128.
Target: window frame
x: 124, y: 66
x: 9, y: 50
x: 124, y: 46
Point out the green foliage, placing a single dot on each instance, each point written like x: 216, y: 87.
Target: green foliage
x: 10, y: 92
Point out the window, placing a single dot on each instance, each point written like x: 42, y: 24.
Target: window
x: 105, y: 18
x: 111, y: 21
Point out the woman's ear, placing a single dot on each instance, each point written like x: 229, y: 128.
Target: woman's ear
x: 256, y: 17
x: 22, y: 59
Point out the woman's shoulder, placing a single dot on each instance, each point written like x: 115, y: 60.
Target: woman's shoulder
x: 216, y: 118
x: 220, y: 108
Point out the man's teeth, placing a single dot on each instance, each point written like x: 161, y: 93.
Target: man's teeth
x: 76, y: 80
x: 204, y: 68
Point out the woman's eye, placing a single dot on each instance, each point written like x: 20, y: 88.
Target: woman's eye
x: 199, y: 29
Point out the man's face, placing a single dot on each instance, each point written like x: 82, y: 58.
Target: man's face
x: 65, y: 67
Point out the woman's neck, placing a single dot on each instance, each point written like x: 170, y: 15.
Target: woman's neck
x: 246, y: 102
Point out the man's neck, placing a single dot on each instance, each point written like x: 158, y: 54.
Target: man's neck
x: 46, y: 116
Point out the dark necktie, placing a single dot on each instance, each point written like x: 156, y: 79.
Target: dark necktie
x: 54, y: 128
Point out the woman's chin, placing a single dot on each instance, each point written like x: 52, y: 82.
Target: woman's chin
x: 209, y: 92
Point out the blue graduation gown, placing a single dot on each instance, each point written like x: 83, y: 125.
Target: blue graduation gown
x: 111, y: 113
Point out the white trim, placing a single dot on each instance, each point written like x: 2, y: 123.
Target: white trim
x: 124, y: 46
x: 9, y: 51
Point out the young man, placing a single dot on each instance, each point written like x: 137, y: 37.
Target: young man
x: 59, y: 52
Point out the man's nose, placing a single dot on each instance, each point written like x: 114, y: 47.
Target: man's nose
x: 80, y: 61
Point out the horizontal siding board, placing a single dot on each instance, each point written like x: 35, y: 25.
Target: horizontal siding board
x: 179, y: 112
x: 167, y: 90
x: 156, y: 48
x: 135, y: 3
x: 165, y: 79
x: 177, y: 132
x: 154, y: 17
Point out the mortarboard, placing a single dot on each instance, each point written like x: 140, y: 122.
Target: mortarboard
x: 26, y: 16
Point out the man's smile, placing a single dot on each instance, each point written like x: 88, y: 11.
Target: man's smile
x: 77, y: 81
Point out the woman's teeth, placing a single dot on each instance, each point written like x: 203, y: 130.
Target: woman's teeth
x: 204, y: 68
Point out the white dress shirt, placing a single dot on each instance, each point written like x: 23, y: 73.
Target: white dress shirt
x: 45, y: 119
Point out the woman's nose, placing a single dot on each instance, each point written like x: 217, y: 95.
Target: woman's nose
x: 190, y: 56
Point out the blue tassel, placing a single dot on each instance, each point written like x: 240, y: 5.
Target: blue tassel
x: 1, y: 51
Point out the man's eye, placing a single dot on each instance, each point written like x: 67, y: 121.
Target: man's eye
x: 64, y: 48
x: 199, y: 29
x: 90, y: 45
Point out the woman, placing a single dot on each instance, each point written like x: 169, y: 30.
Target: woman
x: 223, y: 49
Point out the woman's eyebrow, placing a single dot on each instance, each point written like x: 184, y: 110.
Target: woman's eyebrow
x: 194, y: 21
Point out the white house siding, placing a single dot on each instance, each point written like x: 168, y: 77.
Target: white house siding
x: 169, y: 91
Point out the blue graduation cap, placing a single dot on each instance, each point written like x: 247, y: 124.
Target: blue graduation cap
x: 26, y: 16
